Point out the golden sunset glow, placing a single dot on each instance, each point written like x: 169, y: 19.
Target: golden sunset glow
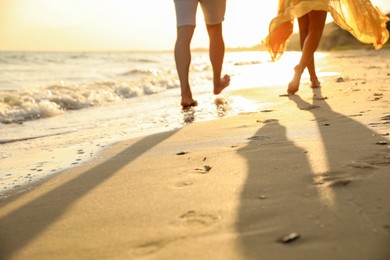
x: 122, y: 24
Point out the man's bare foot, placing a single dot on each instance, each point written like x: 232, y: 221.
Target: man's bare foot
x: 186, y: 104
x: 293, y: 86
x: 223, y: 83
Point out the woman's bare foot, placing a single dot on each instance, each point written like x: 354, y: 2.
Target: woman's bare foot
x: 293, y: 86
x: 221, y: 85
x: 315, y: 83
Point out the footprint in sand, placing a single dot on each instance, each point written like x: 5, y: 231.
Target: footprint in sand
x: 204, y: 170
x: 385, y: 120
x: 375, y: 97
x: 190, y: 218
x: 150, y: 247
x: 354, y: 170
x: 184, y: 184
x: 193, y: 218
x: 379, y: 160
x: 267, y: 121
x: 360, y: 165
x: 333, y: 179
x: 356, y: 115
x: 310, y: 107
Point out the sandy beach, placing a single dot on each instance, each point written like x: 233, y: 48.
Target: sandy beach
x: 305, y: 177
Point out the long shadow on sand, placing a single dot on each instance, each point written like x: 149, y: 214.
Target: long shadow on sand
x: 21, y: 226
x: 264, y: 213
x: 285, y: 195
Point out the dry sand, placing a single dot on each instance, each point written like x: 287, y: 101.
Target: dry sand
x: 316, y: 165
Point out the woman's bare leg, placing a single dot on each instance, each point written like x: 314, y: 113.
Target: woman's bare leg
x: 303, y: 32
x: 313, y: 23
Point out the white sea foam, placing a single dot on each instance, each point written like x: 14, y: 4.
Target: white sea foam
x: 39, y: 85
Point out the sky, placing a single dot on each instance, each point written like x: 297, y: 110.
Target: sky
x: 123, y: 25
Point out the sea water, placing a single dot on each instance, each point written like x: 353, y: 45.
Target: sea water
x: 58, y: 110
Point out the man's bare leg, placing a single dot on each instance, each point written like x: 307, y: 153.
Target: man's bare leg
x: 217, y: 53
x: 183, y: 61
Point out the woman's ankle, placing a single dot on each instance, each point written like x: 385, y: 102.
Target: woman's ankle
x: 298, y: 69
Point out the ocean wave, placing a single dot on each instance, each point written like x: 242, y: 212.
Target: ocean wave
x: 30, y: 58
x: 147, y: 61
x: 17, y: 106
x: 77, y: 56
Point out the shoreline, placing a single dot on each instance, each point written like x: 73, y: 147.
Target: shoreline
x: 314, y: 164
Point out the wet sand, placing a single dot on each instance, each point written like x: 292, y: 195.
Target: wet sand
x: 306, y: 177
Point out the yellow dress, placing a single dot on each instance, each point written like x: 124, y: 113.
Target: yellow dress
x: 359, y: 17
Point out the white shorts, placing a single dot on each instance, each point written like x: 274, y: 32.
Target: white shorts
x: 213, y: 11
